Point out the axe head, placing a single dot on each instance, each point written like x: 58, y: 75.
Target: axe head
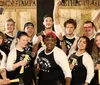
x: 41, y: 33
x: 21, y: 80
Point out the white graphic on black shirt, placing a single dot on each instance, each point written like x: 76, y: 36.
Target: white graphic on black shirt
x: 69, y: 44
x: 44, y: 64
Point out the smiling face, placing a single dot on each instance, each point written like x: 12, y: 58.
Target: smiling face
x: 69, y: 29
x: 48, y: 22
x: 9, y: 27
x: 50, y: 42
x: 97, y: 41
x: 82, y: 44
x: 22, y: 41
x: 29, y: 30
x: 89, y: 29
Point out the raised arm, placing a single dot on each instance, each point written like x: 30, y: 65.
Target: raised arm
x: 96, y: 21
x: 56, y: 12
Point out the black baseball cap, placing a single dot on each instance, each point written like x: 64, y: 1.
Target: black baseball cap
x: 28, y: 24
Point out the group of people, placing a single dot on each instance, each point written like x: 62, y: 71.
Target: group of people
x: 13, y: 51
x: 50, y: 57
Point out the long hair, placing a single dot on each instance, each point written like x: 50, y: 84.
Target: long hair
x: 95, y: 50
x: 87, y: 44
x: 3, y: 37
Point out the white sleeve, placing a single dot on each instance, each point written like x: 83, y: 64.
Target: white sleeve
x: 88, y: 63
x: 58, y: 30
x: 3, y: 61
x: 11, y: 59
x: 62, y: 61
x: 13, y: 43
x: 35, y: 39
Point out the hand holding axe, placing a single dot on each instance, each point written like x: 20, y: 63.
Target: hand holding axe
x: 22, y: 68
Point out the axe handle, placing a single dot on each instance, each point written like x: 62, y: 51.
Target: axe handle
x: 74, y: 61
x: 42, y: 43
x: 22, y: 70
x: 22, y: 67
x: 14, y: 80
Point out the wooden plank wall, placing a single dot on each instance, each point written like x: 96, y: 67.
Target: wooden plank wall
x: 20, y: 16
x: 23, y: 13
x: 80, y: 15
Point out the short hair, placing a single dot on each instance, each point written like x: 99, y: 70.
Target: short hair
x: 10, y: 20
x: 70, y: 21
x: 28, y: 24
x: 47, y: 16
x: 86, y: 22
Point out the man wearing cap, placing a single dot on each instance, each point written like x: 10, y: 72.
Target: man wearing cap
x: 53, y: 64
x: 29, y: 29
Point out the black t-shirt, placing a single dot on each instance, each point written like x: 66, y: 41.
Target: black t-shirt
x: 29, y: 46
x: 8, y: 41
x: 79, y: 71
x: 28, y: 69
x: 50, y: 73
x: 69, y: 43
x: 4, y: 48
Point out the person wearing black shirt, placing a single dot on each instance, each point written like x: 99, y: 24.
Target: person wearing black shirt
x: 9, y: 32
x: 53, y: 68
x: 16, y: 60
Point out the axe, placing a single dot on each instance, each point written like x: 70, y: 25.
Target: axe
x: 14, y: 80
x: 20, y: 80
x: 22, y: 71
x: 41, y: 33
x: 74, y: 61
x: 22, y: 68
x: 17, y: 80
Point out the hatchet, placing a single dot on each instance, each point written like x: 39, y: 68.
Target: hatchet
x: 14, y: 80
x: 17, y: 80
x: 41, y: 33
x: 22, y: 68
